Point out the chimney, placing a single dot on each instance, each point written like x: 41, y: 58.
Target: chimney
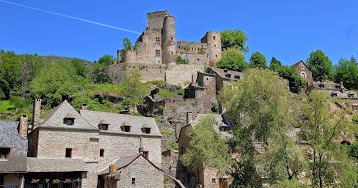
x: 189, y: 117
x: 23, y: 126
x: 84, y: 107
x: 36, y: 113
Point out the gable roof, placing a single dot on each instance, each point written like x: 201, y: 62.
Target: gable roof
x: 55, y: 118
x: 300, y: 61
x: 223, y: 72
x: 117, y: 120
x: 126, y: 161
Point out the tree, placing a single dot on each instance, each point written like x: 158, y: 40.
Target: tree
x: 347, y: 72
x: 106, y: 60
x: 132, y: 89
x: 321, y: 129
x: 234, y: 39
x: 10, y: 73
x: 30, y: 65
x: 127, y: 45
x: 261, y: 103
x: 233, y: 59
x: 79, y: 68
x: 275, y: 65
x: 207, y: 148
x: 320, y: 65
x: 257, y: 60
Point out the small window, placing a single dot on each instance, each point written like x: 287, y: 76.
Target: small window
x: 157, y: 53
x: 181, y: 151
x: 228, y: 75
x: 145, y: 154
x: 334, y: 95
x: 146, y: 130
x: 69, y: 121
x: 133, y: 181
x: 303, y: 75
x: 351, y: 95
x: 101, y: 152
x: 302, y: 67
x: 104, y: 126
x: 4, y: 153
x: 237, y: 77
x: 157, y: 40
x: 321, y: 86
x: 69, y: 152
x: 126, y: 128
x: 213, y: 180
x: 213, y: 37
x: 338, y: 87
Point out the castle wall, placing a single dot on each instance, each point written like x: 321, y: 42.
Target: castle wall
x: 148, y: 45
x: 196, y: 53
x: 213, y: 39
x: 156, y: 19
x: 168, y: 40
x: 130, y: 56
x: 182, y: 74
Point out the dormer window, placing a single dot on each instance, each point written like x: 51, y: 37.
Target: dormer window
x: 228, y: 75
x: 334, y: 95
x: 225, y: 70
x: 223, y: 128
x: 351, y: 95
x: 69, y: 120
x: 146, y: 129
x: 4, y: 153
x: 321, y: 86
x: 125, y: 127
x: 338, y: 87
x: 237, y: 77
x: 103, y: 125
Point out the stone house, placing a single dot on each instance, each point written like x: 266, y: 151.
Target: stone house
x: 205, y: 177
x: 223, y: 76
x: 13, y: 152
x: 305, y: 73
x: 71, y: 148
x: 156, y: 50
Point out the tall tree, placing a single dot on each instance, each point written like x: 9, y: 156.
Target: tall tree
x: 207, y: 147
x: 275, y: 65
x: 233, y: 59
x: 132, y: 89
x: 106, y: 60
x: 127, y: 45
x: 10, y: 73
x: 320, y: 65
x: 257, y: 60
x: 347, y: 72
x: 234, y: 39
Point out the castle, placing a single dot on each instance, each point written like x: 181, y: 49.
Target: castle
x: 156, y: 52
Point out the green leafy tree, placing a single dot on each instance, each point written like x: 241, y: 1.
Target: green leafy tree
x: 79, y: 68
x: 347, y: 72
x: 132, y: 89
x: 127, y: 45
x: 233, y: 59
x: 207, y: 148
x: 320, y: 65
x: 261, y: 103
x: 275, y: 65
x: 30, y: 65
x: 321, y: 128
x: 234, y: 39
x: 106, y: 60
x: 10, y: 73
x: 257, y: 60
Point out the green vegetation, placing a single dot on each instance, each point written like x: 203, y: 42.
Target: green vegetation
x: 320, y: 65
x: 347, y: 72
x: 172, y: 145
x: 234, y: 39
x: 180, y: 60
x: 233, y: 59
x: 166, y: 93
x: 257, y: 60
x: 201, y: 50
x: 127, y: 45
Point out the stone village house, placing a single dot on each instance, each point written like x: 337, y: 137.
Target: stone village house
x: 76, y: 149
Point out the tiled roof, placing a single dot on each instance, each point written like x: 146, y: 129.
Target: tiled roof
x: 117, y: 120
x: 56, y: 118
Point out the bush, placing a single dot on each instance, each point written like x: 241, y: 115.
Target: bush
x: 180, y: 60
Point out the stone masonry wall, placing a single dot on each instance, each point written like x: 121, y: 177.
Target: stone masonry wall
x: 145, y: 174
x: 182, y: 74
x: 146, y: 48
x: 120, y: 145
x: 196, y: 53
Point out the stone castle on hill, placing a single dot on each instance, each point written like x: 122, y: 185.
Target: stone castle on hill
x: 156, y: 50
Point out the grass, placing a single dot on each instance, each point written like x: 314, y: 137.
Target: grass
x: 7, y: 107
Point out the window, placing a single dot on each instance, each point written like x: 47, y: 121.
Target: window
x: 321, y: 86
x: 157, y: 53
x: 133, y: 181
x: 126, y: 128
x: 4, y: 153
x: 302, y: 67
x: 351, y: 95
x: 338, y: 87
x: 213, y: 37
x: 69, y: 121
x: 146, y: 130
x: 104, y: 126
x: 157, y: 40
x: 181, y: 151
x: 69, y: 152
x: 237, y: 77
x: 101, y: 152
x: 213, y: 180
x: 145, y: 154
x: 228, y: 75
x: 303, y: 75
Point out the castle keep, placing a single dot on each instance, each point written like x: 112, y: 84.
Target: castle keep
x: 156, y: 50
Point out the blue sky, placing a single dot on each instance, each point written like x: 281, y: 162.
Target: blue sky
x: 288, y: 30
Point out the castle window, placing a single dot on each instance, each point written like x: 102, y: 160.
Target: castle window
x: 101, y: 152
x: 303, y: 75
x: 213, y: 180
x: 157, y: 53
x: 213, y: 37
x: 145, y: 154
x: 69, y: 120
x: 157, y: 40
x: 133, y: 181
x: 4, y: 153
x: 125, y: 127
x: 68, y: 152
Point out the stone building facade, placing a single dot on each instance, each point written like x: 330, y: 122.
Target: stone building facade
x: 157, y: 48
x: 74, y: 147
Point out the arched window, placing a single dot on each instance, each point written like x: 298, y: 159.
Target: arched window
x: 303, y: 75
x: 186, y: 58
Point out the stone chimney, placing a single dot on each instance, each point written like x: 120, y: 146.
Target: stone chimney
x: 23, y: 126
x: 84, y: 107
x: 189, y: 117
x: 36, y: 113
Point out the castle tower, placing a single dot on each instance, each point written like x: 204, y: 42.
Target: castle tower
x: 213, y: 39
x: 168, y: 40
x: 130, y: 56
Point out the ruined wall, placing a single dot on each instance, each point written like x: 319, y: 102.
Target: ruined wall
x: 130, y: 56
x: 121, y: 145
x: 147, y: 45
x: 196, y: 53
x: 156, y: 19
x: 208, y: 95
x: 145, y: 174
x: 52, y: 143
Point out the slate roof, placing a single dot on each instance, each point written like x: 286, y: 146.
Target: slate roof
x: 226, y: 74
x: 117, y: 120
x: 300, y: 61
x: 10, y: 138
x: 220, y: 121
x: 56, y: 117
x: 124, y: 162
